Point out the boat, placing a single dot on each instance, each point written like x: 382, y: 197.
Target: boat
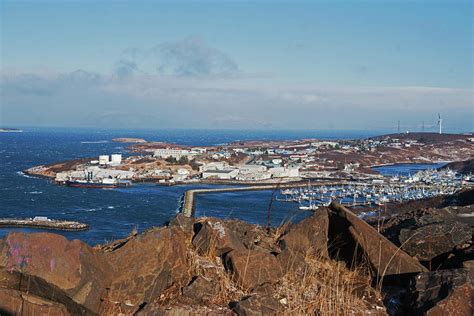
x: 311, y: 207
x: 104, y: 183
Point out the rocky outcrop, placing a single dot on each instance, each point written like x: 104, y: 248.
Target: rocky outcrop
x: 71, y: 266
x: 148, y: 266
x: 258, y: 305
x: 429, y: 233
x: 215, y: 237
x: 308, y: 236
x: 430, y: 241
x: 24, y: 294
x: 13, y: 302
x: 251, y: 268
x: 207, y: 264
x: 355, y: 240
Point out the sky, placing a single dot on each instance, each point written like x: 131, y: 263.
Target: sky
x: 237, y: 64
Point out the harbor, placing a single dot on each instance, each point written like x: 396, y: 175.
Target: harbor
x: 310, y: 196
x: 43, y: 223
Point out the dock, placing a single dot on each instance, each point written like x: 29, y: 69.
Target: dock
x: 43, y: 223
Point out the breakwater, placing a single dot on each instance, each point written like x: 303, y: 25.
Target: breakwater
x: 43, y: 224
x: 189, y: 197
x: 188, y: 201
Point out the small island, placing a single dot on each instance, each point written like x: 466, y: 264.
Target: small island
x: 10, y: 130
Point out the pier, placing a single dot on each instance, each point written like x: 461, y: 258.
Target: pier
x: 43, y: 223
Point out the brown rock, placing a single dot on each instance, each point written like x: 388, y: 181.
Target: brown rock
x: 458, y: 303
x: 291, y: 261
x: 14, y: 302
x: 214, y: 237
x: 444, y: 289
x: 17, y: 286
x: 201, y: 290
x: 258, y: 305
x: 252, y: 268
x: 72, y: 266
x: 148, y: 265
x: 308, y: 236
x: 183, y: 222
x: 348, y: 233
x: 429, y: 241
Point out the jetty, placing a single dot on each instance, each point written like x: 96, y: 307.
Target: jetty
x: 188, y: 201
x: 43, y: 223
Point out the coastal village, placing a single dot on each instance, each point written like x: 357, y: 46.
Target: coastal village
x: 258, y: 161
x: 369, y: 244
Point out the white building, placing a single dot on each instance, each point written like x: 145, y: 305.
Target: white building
x: 97, y: 174
x: 181, y: 175
x: 116, y: 159
x: 285, y: 172
x: 253, y: 173
x: 325, y: 143
x: 220, y: 165
x: 226, y: 174
x: 104, y: 160
x: 172, y: 152
x: 246, y: 169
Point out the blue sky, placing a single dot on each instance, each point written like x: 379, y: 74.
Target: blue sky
x: 307, y: 55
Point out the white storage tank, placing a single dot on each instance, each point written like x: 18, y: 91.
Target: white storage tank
x: 116, y: 159
x: 103, y: 159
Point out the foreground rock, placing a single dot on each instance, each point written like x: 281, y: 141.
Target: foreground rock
x: 348, y: 233
x: 258, y: 305
x: 309, y: 236
x: 159, y: 266
x: 71, y: 266
x: 206, y: 264
x: 430, y: 233
x: 251, y: 268
x: 430, y: 241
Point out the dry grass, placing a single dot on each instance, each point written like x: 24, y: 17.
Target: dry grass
x: 327, y: 287
x: 210, y: 265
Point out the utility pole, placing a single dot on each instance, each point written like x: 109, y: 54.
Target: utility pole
x: 398, y: 126
x: 423, y: 126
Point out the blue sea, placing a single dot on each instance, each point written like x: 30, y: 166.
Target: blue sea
x: 113, y: 213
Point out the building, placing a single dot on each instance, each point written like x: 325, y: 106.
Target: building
x: 104, y: 160
x: 225, y: 174
x: 220, y: 165
x: 253, y: 173
x: 116, y: 159
x: 172, y: 153
x: 285, y: 172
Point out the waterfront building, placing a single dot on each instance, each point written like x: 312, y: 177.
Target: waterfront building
x: 225, y: 174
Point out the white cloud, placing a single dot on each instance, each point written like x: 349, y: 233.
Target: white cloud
x: 88, y: 99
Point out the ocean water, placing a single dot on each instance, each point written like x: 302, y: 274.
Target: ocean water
x: 113, y: 213
x: 406, y: 169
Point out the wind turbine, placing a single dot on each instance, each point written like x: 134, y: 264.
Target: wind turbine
x: 440, y: 123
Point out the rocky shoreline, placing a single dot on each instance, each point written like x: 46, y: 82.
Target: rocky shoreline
x: 330, y: 263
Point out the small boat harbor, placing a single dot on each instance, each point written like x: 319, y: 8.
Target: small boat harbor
x: 42, y: 222
x: 424, y: 184
x: 311, y: 195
